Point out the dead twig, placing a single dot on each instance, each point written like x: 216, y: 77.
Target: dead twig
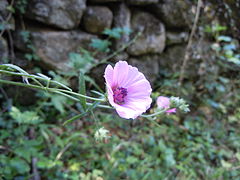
x: 7, y: 19
x: 12, y: 54
x: 187, y: 51
x: 35, y: 172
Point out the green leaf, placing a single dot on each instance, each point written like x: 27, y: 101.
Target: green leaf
x: 82, y: 62
x: 27, y: 117
x: 11, y: 9
x: 100, y: 45
x: 238, y: 156
x: 58, y: 102
x: 113, y: 33
x: 224, y: 38
x: 25, y: 35
x: 218, y: 28
x: 127, y: 30
x: 28, y: 56
x: 19, y: 165
x: 57, y: 79
x: 2, y: 26
x: 24, y: 153
x: 226, y: 164
x: 82, y: 90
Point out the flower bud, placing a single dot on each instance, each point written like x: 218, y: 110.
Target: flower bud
x: 101, y: 134
x: 179, y: 103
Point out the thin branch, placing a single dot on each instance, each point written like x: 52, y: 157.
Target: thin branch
x: 36, y: 175
x: 12, y: 54
x: 53, y: 90
x: 118, y: 51
x: 59, y: 155
x: 8, y: 18
x: 187, y: 52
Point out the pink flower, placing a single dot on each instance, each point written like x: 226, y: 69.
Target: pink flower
x: 164, y: 103
x: 128, y: 90
x: 171, y: 111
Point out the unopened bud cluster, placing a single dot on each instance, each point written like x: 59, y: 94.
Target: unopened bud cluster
x: 179, y: 103
x: 102, y: 134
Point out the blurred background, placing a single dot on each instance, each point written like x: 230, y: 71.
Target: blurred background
x: 186, y: 48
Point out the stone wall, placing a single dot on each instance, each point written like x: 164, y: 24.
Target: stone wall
x: 58, y: 27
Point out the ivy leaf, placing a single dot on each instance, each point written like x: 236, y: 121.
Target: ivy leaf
x: 101, y: 45
x: 2, y: 26
x: 11, y: 9
x: 113, y: 33
x: 82, y: 62
x: 127, y: 30
x: 226, y: 164
x: 27, y: 117
x: 19, y: 165
x: 224, y: 38
x: 25, y: 35
x: 58, y: 102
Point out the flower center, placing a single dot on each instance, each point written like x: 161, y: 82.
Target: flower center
x: 119, y: 94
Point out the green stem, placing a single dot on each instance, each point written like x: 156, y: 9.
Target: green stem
x: 23, y: 75
x: 34, y: 77
x: 154, y: 122
x: 154, y: 114
x: 101, y: 106
x: 96, y: 120
x: 80, y: 95
x: 88, y: 104
x: 118, y: 51
x: 50, y: 89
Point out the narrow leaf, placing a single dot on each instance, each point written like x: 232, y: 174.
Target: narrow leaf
x: 82, y: 90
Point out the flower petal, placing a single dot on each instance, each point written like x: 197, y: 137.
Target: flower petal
x: 141, y: 88
x: 171, y: 111
x: 110, y: 95
x: 133, y: 76
x: 128, y: 113
x: 120, y: 73
x: 108, y: 75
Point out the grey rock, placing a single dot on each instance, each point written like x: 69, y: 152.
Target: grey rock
x: 3, y: 49
x: 175, y: 13
x: 97, y: 74
x: 148, y: 65
x: 142, y: 2
x: 152, y: 39
x: 64, y: 14
x: 3, y: 10
x: 122, y: 56
x: 172, y: 58
x: 53, y: 47
x: 6, y: 19
x: 97, y: 18
x: 104, y: 1
x: 122, y: 19
x: 176, y: 37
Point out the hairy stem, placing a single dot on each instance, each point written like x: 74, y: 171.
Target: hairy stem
x: 55, y: 90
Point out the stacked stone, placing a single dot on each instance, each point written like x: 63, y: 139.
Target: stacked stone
x: 66, y: 25
x: 3, y: 43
